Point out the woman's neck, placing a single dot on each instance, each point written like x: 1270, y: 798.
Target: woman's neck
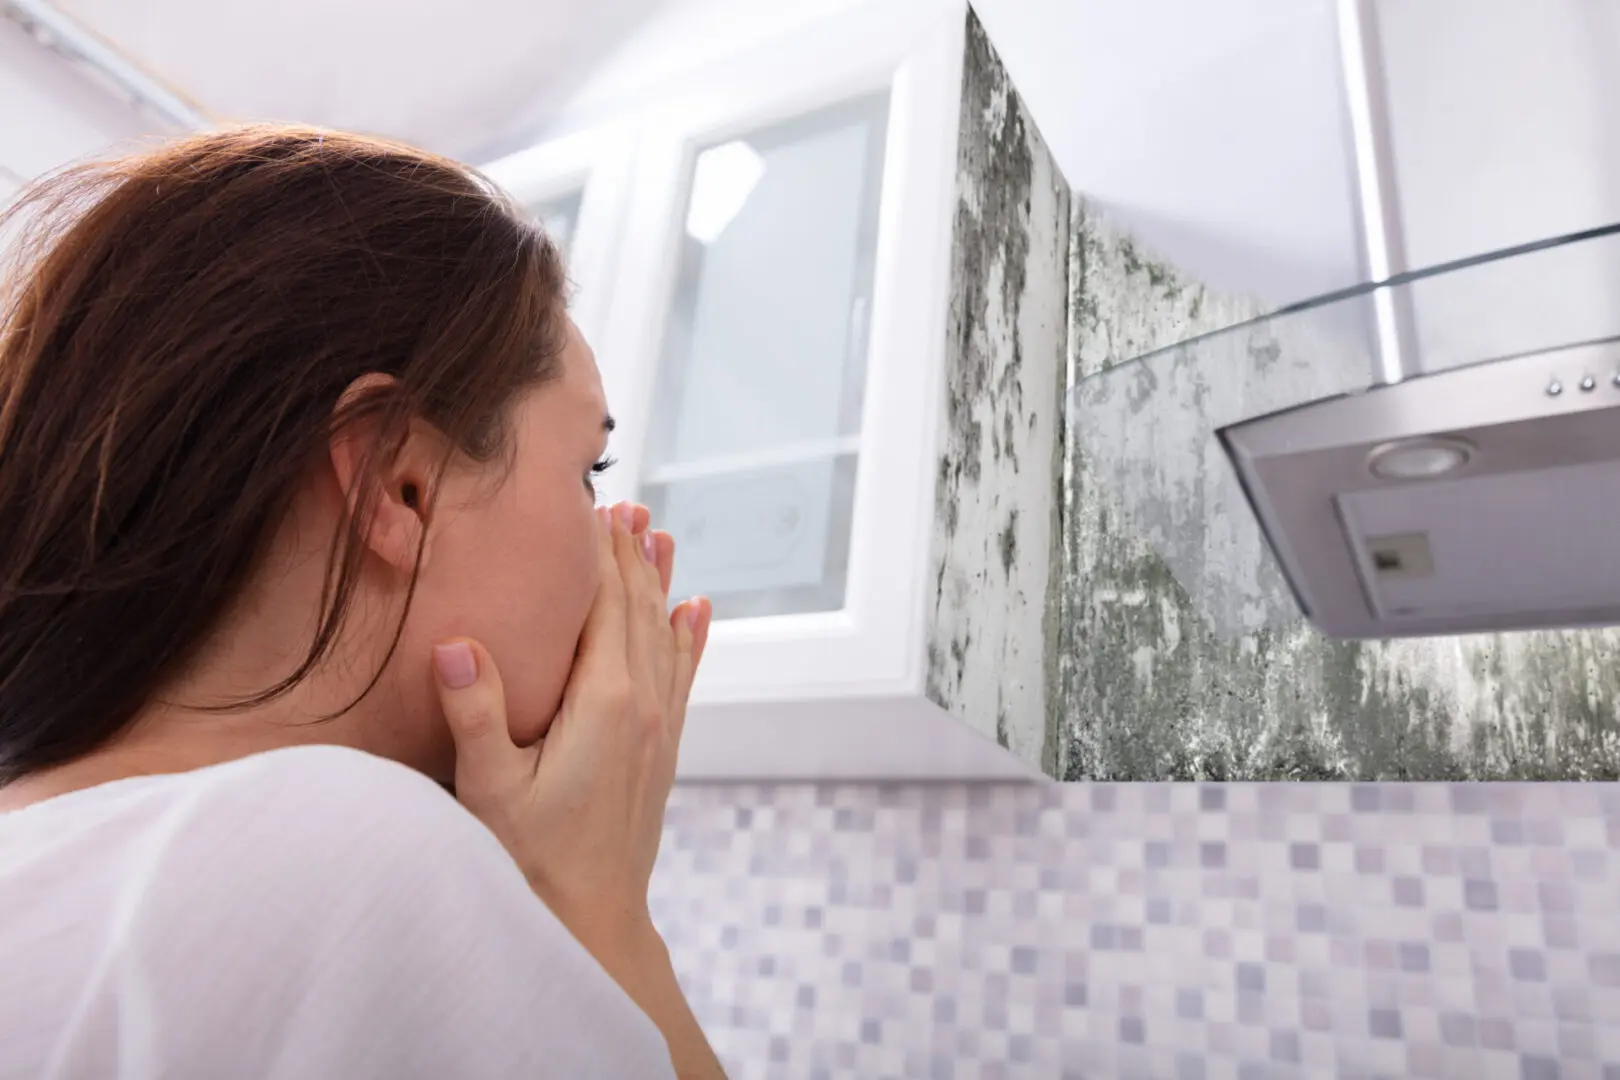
x: 262, y: 641
x: 167, y: 739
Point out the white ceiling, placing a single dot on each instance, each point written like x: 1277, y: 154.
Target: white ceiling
x: 1211, y: 127
x: 444, y: 76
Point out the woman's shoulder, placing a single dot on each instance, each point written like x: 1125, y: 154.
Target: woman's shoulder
x: 367, y: 923
x: 300, y: 851
x: 320, y: 822
x: 305, y: 798
x: 328, y: 807
x: 330, y: 768
x: 364, y: 887
x: 316, y: 779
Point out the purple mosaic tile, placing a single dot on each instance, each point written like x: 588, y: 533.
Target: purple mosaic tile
x: 1154, y: 931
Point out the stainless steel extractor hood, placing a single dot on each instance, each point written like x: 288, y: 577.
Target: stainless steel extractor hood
x: 1479, y: 493
x: 1481, y: 498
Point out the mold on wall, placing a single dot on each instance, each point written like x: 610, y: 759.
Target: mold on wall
x: 1180, y: 654
x: 1105, y: 607
x: 992, y: 634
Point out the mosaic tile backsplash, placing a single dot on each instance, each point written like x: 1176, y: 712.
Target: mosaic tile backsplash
x: 1163, y: 931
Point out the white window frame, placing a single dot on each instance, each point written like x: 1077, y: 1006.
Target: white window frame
x: 598, y: 163
x: 875, y: 645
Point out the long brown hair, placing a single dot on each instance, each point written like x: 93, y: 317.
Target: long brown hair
x: 178, y: 329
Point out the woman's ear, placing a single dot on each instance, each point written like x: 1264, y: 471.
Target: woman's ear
x: 401, y: 497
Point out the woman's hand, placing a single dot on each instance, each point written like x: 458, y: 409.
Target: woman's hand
x: 582, y: 812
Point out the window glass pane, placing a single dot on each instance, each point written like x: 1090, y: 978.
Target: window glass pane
x: 757, y: 417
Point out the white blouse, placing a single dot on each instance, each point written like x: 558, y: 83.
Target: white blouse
x: 305, y: 913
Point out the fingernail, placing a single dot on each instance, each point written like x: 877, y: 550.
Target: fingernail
x: 457, y: 667
x: 625, y: 513
x: 693, y: 612
x: 649, y: 549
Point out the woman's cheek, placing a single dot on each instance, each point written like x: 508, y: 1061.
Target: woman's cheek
x: 589, y: 574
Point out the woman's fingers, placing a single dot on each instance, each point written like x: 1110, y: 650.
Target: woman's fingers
x: 690, y: 623
x: 602, y: 642
x: 648, y: 641
x: 474, y: 704
x: 665, y: 558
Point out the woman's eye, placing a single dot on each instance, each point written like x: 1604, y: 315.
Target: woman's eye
x: 598, y: 469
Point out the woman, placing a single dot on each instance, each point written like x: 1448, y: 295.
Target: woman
x: 297, y: 532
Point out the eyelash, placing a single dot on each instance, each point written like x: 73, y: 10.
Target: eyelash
x: 598, y: 469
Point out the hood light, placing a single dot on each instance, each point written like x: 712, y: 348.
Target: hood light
x: 1420, y: 459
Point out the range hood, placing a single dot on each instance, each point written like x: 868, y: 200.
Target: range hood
x: 1286, y: 467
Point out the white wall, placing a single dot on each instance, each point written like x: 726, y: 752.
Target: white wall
x: 52, y: 113
x: 1212, y: 130
x: 1505, y: 120
x: 1215, y: 132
